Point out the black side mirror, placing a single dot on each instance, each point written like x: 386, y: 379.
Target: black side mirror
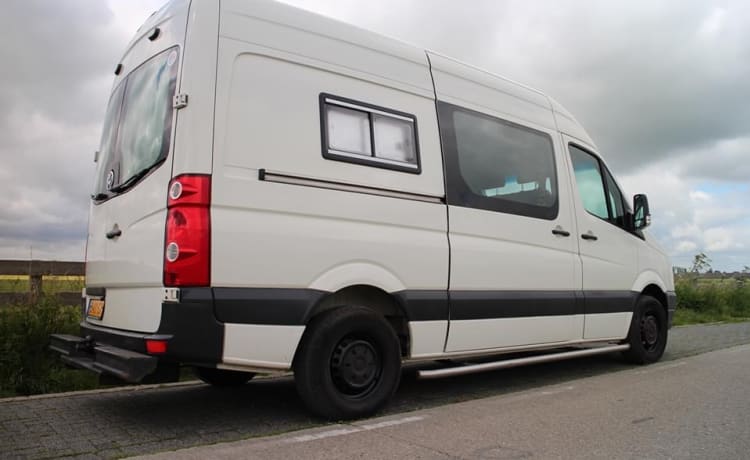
x: 641, y: 214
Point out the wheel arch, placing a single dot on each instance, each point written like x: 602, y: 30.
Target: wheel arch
x: 656, y: 292
x: 650, y: 283
x: 375, y: 299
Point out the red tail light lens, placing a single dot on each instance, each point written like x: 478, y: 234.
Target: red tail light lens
x: 187, y: 243
x: 156, y: 347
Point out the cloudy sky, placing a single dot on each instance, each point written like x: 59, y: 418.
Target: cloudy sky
x: 663, y: 87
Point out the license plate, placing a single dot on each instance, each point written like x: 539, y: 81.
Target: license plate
x: 96, y: 309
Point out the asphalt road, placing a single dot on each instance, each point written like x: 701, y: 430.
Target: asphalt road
x: 695, y: 407
x: 139, y: 421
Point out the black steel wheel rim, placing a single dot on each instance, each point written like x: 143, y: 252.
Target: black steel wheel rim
x: 356, y: 367
x: 649, y: 332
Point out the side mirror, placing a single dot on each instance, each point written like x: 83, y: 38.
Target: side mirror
x: 641, y: 214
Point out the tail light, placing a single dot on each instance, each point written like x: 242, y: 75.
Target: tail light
x: 187, y: 241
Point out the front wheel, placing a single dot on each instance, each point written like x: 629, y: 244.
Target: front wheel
x: 348, y: 364
x: 648, y: 332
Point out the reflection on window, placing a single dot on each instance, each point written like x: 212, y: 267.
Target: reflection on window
x: 147, y: 111
x: 138, y: 124
x: 506, y: 163
x: 348, y: 130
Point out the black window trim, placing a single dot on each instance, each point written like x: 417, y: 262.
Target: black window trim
x: 602, y: 169
x: 369, y: 109
x: 456, y: 186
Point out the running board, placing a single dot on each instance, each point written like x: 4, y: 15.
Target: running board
x: 508, y: 363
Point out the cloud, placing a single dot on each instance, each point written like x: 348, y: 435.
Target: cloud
x: 661, y: 86
x: 53, y: 95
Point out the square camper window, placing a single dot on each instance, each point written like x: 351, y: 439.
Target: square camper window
x: 362, y: 133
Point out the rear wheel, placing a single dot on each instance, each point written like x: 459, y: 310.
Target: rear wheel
x: 223, y: 377
x: 648, y: 332
x: 348, y: 364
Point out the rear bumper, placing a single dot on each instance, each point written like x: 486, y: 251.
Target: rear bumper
x: 189, y: 328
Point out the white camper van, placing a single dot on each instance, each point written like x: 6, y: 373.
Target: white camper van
x: 278, y: 191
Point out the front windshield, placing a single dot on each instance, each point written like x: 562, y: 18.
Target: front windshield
x: 138, y: 125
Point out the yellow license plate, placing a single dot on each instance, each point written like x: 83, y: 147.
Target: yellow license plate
x: 96, y: 309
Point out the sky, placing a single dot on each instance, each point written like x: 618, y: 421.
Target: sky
x: 663, y: 88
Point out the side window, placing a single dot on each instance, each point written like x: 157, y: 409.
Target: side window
x: 614, y: 195
x: 589, y: 181
x: 599, y: 192
x: 498, y: 165
x: 362, y: 133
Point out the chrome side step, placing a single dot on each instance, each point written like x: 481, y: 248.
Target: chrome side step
x: 508, y: 363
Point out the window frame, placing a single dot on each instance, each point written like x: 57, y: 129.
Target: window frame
x: 325, y: 99
x: 114, y: 159
x: 604, y: 170
x: 459, y: 193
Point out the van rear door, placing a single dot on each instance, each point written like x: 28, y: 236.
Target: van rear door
x: 125, y: 249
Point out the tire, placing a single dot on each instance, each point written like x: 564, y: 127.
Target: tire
x: 223, y: 377
x: 348, y: 364
x: 648, y: 332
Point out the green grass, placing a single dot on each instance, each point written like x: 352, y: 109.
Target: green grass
x: 711, y: 300
x: 50, y: 284
x: 27, y: 366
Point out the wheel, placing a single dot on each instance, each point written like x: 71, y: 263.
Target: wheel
x: 223, y: 377
x: 648, y: 332
x: 348, y: 363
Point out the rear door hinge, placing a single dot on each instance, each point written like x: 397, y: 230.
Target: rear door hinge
x: 179, y: 101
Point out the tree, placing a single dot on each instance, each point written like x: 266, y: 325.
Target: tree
x: 701, y: 263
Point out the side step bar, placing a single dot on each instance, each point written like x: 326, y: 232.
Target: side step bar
x: 508, y: 363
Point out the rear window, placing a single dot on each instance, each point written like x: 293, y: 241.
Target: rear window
x: 138, y: 125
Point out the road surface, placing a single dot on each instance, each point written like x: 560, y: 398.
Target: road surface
x: 138, y: 420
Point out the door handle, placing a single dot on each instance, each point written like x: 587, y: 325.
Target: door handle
x: 589, y: 236
x: 560, y: 232
x: 114, y: 233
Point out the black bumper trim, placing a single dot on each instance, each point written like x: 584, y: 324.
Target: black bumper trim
x: 276, y: 306
x: 671, y: 307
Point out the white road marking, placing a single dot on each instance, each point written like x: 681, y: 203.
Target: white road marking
x: 663, y: 367
x: 353, y: 429
x: 554, y: 392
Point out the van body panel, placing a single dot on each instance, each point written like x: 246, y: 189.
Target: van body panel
x: 130, y: 266
x: 653, y: 260
x: 261, y: 345
x: 513, y: 332
x: 393, y: 243
x: 469, y: 87
x: 567, y: 124
x: 195, y: 122
x: 246, y: 107
x: 611, y: 326
x: 648, y: 277
x: 344, y: 48
x: 288, y: 242
x: 354, y: 273
x: 132, y: 309
x: 427, y: 338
